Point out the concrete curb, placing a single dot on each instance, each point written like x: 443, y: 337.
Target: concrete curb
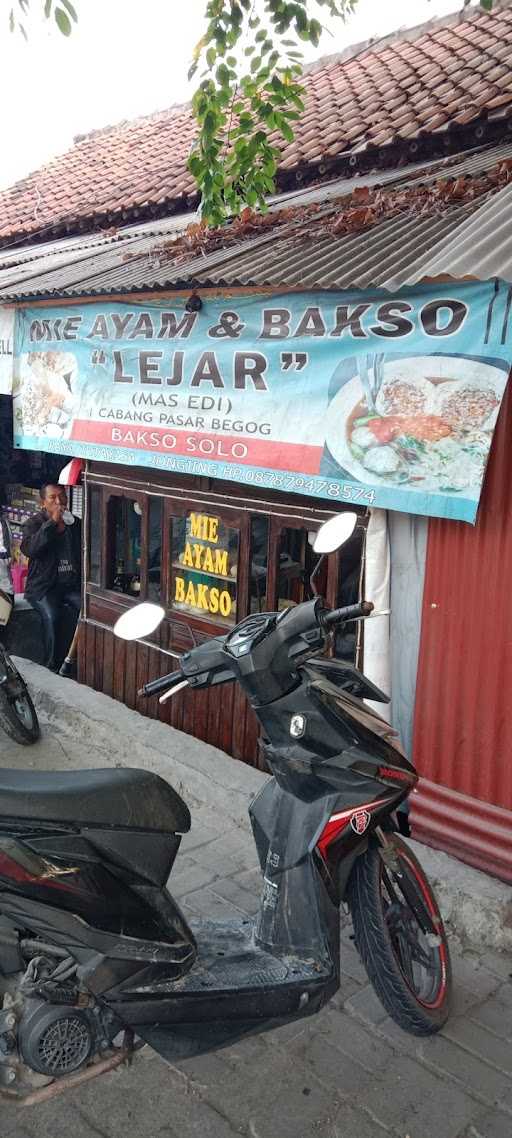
x: 477, y: 908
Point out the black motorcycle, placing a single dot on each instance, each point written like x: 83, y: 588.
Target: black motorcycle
x: 18, y: 716
x: 94, y: 951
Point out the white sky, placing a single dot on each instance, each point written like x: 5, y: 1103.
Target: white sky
x: 126, y: 58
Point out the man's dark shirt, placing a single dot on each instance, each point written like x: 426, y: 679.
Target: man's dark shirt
x: 54, y: 558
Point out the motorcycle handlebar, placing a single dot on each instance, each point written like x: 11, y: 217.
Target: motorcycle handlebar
x: 349, y: 612
x: 154, y: 687
x: 326, y: 620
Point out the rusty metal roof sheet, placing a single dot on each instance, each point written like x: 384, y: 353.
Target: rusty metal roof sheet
x: 471, y: 239
x: 50, y: 255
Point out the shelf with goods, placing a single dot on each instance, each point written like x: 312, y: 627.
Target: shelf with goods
x: 21, y: 502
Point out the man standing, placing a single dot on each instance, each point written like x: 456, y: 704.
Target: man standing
x: 52, y: 543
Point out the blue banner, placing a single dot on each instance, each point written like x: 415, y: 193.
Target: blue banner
x: 357, y: 397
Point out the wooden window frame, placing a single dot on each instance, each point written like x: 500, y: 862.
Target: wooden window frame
x: 144, y: 561
x: 107, y: 544
x: 88, y: 491
x: 278, y: 523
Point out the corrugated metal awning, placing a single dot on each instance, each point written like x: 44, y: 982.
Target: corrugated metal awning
x: 473, y: 239
x: 480, y: 247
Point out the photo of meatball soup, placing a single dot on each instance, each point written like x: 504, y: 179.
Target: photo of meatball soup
x: 432, y: 433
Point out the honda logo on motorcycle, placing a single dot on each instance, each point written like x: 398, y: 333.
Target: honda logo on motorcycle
x: 360, y: 821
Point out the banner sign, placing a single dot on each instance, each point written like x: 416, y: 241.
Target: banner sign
x: 6, y: 349
x: 357, y: 397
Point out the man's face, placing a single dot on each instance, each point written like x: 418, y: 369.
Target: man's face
x: 55, y: 494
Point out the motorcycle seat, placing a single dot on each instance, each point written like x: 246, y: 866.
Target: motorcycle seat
x: 127, y: 798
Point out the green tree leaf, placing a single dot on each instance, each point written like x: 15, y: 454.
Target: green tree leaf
x: 70, y: 10
x: 63, y: 21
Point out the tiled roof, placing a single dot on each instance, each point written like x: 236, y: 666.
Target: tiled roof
x: 414, y: 85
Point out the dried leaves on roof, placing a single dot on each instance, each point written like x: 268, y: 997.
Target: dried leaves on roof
x: 354, y: 213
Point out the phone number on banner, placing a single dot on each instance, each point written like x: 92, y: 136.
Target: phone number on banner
x: 323, y: 487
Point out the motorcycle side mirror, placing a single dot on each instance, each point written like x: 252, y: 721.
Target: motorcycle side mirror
x: 335, y: 532
x: 141, y: 620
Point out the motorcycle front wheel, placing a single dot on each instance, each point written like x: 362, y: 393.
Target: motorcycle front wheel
x: 18, y: 716
x: 408, y: 966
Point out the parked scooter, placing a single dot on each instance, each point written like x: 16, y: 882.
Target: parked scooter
x: 93, y: 948
x: 18, y: 716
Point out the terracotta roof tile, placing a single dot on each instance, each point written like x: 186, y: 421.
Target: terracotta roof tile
x: 409, y: 131
x: 411, y: 83
x: 498, y: 73
x: 436, y: 122
x: 466, y: 115
x: 445, y: 73
x: 500, y: 100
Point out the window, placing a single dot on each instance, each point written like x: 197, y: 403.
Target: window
x: 154, y: 549
x: 259, y: 563
x: 124, y: 518
x: 204, y: 567
x: 348, y: 637
x: 95, y: 536
x: 295, y: 566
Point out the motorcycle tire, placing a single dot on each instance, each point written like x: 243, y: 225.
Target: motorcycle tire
x: 409, y: 970
x: 18, y: 717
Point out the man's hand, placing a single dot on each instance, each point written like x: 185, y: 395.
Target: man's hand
x: 55, y: 511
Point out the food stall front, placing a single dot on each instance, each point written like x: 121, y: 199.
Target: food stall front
x: 221, y: 430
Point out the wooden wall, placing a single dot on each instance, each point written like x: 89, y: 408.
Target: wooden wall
x: 220, y: 716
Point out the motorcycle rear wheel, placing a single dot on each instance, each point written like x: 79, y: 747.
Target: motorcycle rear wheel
x: 18, y: 716
x: 409, y: 969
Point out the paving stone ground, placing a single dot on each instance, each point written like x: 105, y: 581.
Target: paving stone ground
x: 347, y: 1073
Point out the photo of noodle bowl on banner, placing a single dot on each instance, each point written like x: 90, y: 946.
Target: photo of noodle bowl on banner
x: 424, y: 423
x: 44, y: 400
